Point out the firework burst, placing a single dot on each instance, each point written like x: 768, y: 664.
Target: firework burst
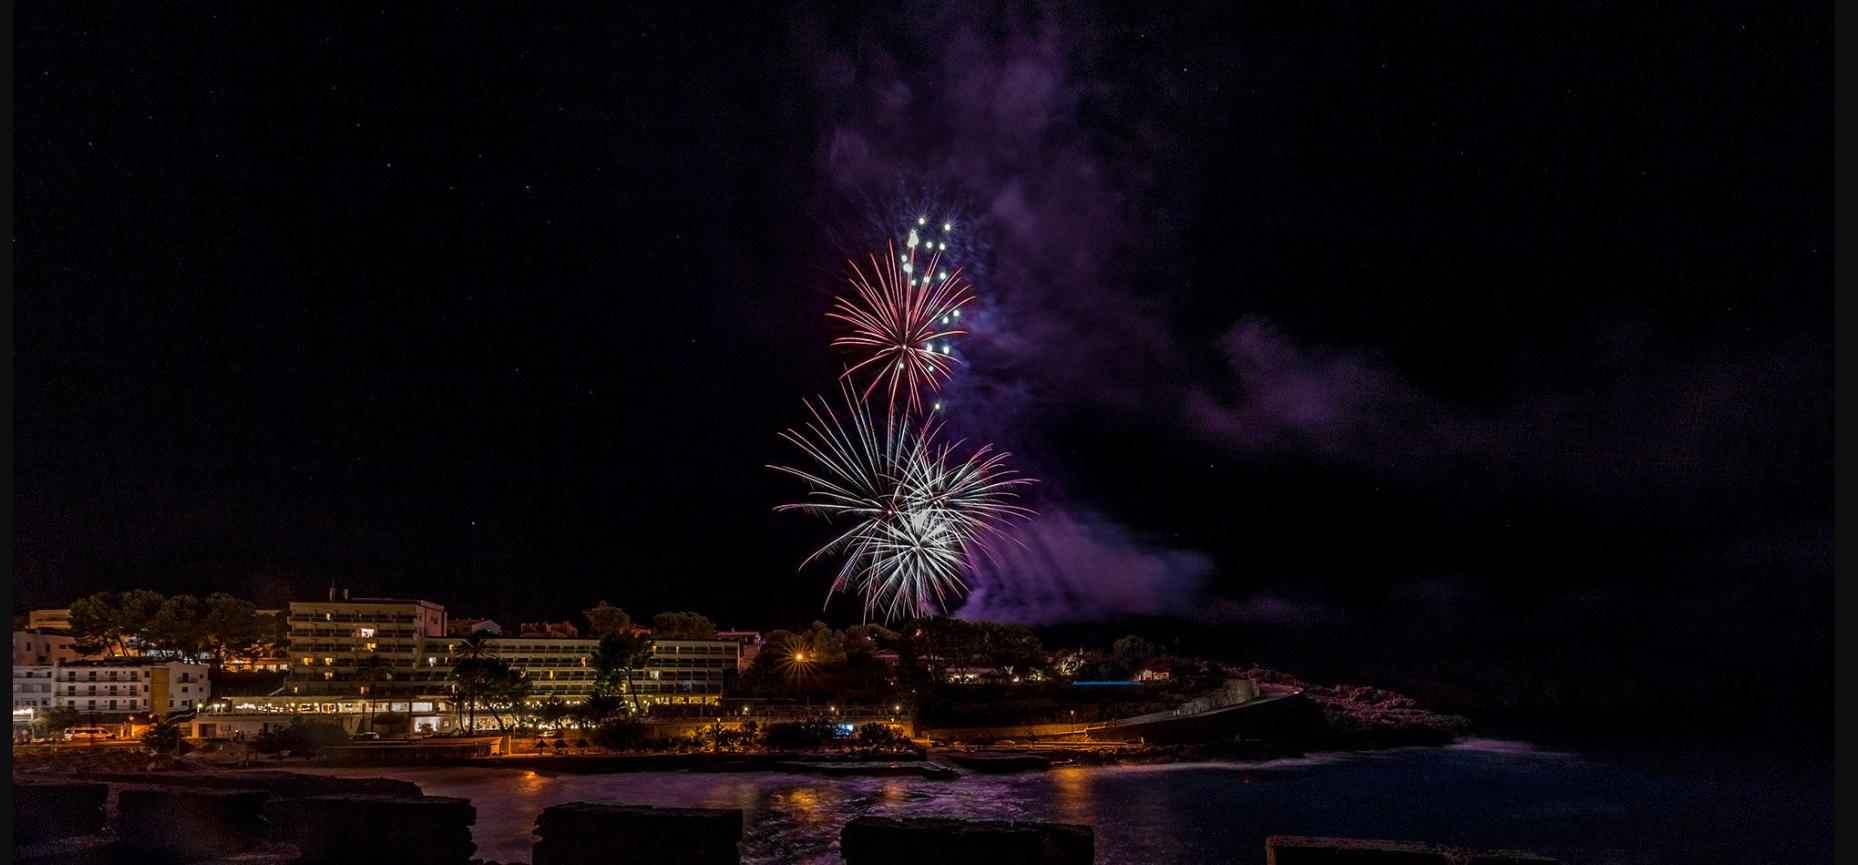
x: 902, y: 319
x: 918, y: 511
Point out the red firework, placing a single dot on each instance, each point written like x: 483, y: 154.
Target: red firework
x: 903, y: 320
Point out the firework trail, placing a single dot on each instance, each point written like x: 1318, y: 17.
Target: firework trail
x: 902, y: 319
x: 919, y: 511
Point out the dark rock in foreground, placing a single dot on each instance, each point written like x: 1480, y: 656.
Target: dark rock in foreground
x: 47, y: 810
x: 938, y: 840
x: 348, y: 828
x: 1297, y: 850
x: 581, y: 832
x: 165, y: 824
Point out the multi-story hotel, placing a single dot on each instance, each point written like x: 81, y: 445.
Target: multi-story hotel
x: 678, y: 671
x: 328, y: 639
x: 556, y: 667
x: 682, y: 672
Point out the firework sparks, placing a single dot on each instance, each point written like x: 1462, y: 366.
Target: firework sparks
x: 918, y: 510
x: 902, y: 319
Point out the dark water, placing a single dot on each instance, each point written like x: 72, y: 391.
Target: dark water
x: 1722, y: 807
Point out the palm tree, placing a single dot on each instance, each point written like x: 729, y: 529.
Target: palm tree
x: 372, y: 669
x: 469, y: 673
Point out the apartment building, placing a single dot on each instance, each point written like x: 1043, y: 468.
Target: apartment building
x: 32, y: 689
x: 130, y: 686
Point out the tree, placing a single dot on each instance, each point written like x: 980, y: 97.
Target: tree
x: 109, y: 622
x: 136, y: 610
x: 615, y: 659
x: 683, y: 626
x: 474, y: 676
x: 605, y: 619
x: 552, y: 713
x: 270, y: 633
x: 227, y: 624
x: 49, y: 723
x: 371, y: 670
x: 179, y: 626
x: 1132, y: 652
x: 507, y: 693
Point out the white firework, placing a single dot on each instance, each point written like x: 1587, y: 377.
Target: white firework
x: 918, y: 511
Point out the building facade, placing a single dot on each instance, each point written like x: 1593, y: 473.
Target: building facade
x: 329, y: 639
x: 556, y: 667
x: 130, y: 686
x: 58, y: 620
x: 687, y: 672
x: 748, y: 645
x: 44, y: 646
x: 32, y: 688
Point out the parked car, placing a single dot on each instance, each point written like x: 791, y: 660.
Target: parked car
x: 89, y: 734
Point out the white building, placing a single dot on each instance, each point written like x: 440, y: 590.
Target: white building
x: 32, y: 688
x: 130, y: 686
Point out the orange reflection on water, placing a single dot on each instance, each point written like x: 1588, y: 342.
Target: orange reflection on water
x: 892, y: 790
x: 804, y: 804
x: 1074, y: 795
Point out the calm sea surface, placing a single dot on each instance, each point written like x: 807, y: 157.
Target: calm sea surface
x: 1691, y: 807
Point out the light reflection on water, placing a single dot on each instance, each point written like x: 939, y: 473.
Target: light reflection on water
x: 1482, y: 794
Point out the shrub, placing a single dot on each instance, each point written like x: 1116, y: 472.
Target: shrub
x: 164, y: 739
x: 620, y: 733
x: 876, y: 736
x: 796, y: 735
x: 302, y: 738
x: 392, y: 723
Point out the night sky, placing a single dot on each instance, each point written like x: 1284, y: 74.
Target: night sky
x: 1473, y: 350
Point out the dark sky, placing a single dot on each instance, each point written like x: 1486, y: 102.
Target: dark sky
x: 1427, y: 329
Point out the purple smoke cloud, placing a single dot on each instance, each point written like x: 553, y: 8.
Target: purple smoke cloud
x: 1005, y: 113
